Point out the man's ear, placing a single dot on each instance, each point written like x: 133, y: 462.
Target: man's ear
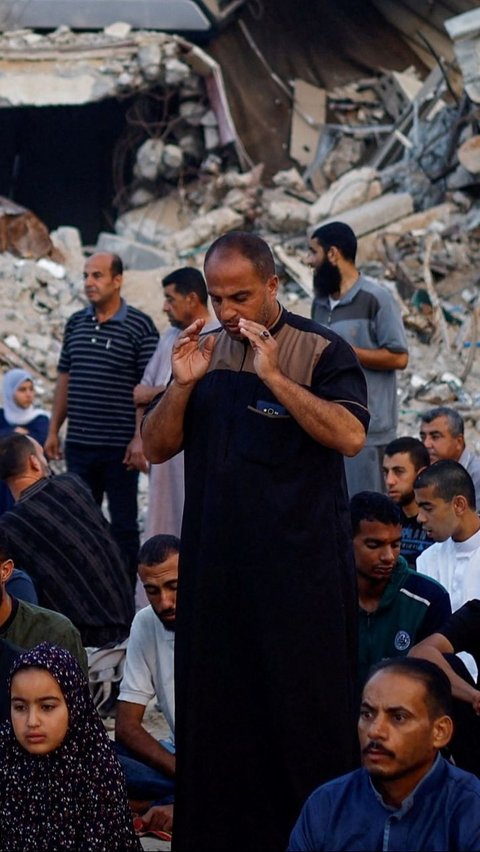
x: 334, y: 255
x: 460, y: 504
x: 6, y: 571
x: 442, y: 731
x: 34, y: 462
x: 272, y: 285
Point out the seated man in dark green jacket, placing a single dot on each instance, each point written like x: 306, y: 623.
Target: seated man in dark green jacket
x: 26, y: 625
x: 397, y: 606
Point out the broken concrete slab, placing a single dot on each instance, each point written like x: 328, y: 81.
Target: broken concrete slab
x: 469, y: 154
x: 308, y: 116
x: 370, y: 245
x: 353, y: 188
x: 134, y: 255
x: 377, y: 213
x: 286, y: 215
x: 205, y: 228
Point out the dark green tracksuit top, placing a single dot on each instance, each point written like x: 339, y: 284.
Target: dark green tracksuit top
x: 412, y: 607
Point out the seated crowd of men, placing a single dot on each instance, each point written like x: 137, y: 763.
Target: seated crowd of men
x: 417, y: 558
x: 427, y: 521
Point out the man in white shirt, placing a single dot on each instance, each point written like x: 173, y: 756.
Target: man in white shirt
x: 149, y: 765
x: 445, y: 495
x: 185, y: 300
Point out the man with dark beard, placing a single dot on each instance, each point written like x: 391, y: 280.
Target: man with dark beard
x: 367, y: 316
x: 149, y: 765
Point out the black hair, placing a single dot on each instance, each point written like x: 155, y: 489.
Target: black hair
x: 253, y: 248
x: 455, y: 420
x: 14, y: 452
x: 4, y: 545
x: 340, y: 235
x: 116, y: 266
x: 417, y: 451
x: 188, y: 280
x: 450, y: 479
x: 157, y: 549
x: 437, y: 685
x: 373, y: 506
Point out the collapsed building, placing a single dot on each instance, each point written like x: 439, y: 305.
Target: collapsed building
x: 144, y: 143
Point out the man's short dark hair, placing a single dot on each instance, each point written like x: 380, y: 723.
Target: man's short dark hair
x: 116, y: 266
x: 14, y: 452
x: 373, y: 506
x: 157, y: 549
x: 188, y: 280
x: 455, y: 420
x: 417, y: 451
x: 450, y: 479
x: 4, y: 545
x: 437, y: 685
x: 339, y: 235
x: 253, y: 248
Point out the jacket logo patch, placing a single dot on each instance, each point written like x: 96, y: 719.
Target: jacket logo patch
x: 402, y: 640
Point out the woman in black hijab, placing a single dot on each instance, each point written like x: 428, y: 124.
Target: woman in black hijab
x: 61, y: 786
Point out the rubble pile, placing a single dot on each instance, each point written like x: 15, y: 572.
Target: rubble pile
x: 397, y: 158
x: 36, y: 299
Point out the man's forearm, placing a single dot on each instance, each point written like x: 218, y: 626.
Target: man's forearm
x: 381, y: 359
x: 147, y: 749
x: 60, y: 400
x: 162, y: 429
x: 460, y: 688
x: 329, y: 423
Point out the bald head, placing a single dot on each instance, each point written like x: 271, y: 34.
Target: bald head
x: 103, y: 277
x: 248, y: 246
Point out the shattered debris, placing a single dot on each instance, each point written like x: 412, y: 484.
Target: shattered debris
x: 394, y: 156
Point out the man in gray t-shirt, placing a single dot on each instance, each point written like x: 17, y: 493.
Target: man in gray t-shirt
x: 367, y: 316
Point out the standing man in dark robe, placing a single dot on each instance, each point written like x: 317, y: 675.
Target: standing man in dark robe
x: 264, y: 408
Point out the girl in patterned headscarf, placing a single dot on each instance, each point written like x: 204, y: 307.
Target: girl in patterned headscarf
x: 61, y: 786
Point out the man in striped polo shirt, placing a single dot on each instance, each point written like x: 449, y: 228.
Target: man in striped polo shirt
x: 106, y: 348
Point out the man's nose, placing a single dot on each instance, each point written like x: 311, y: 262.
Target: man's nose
x: 378, y: 729
x: 387, y: 554
x: 421, y: 517
x: 226, y: 312
x: 390, y: 478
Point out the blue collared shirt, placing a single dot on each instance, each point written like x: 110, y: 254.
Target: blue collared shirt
x: 442, y: 814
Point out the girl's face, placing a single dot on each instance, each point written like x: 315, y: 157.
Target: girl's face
x: 39, y: 712
x: 23, y: 396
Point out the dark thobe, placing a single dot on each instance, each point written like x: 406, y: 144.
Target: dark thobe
x: 266, y: 617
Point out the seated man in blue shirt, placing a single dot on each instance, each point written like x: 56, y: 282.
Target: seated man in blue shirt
x: 406, y: 795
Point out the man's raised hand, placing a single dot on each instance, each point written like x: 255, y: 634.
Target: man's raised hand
x: 190, y: 355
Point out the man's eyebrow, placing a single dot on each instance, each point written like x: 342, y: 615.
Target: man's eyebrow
x: 399, y: 709
x: 232, y: 295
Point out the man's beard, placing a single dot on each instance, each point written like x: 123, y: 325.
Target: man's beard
x: 326, y: 279
x: 168, y: 625
x: 406, y: 499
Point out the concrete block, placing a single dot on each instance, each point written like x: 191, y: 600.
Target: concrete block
x: 375, y: 214
x: 134, y: 255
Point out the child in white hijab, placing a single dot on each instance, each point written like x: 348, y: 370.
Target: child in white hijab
x: 18, y: 408
x: 19, y: 414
